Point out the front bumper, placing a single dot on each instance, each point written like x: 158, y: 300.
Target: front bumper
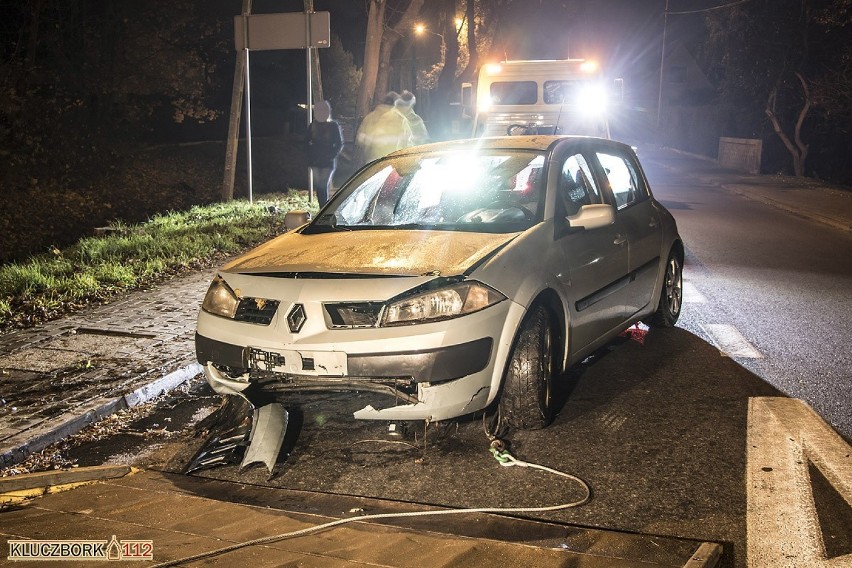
x: 434, y: 382
x: 425, y: 366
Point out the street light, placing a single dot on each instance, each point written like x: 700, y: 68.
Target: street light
x: 420, y: 29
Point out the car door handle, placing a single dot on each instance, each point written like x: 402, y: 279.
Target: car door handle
x: 619, y: 240
x: 653, y: 223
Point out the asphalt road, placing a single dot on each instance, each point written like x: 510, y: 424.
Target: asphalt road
x: 661, y: 425
x: 783, y: 282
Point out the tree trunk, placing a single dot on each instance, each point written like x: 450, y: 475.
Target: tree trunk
x: 36, y: 9
x: 372, y: 47
x: 234, y: 119
x: 447, y: 79
x: 473, y: 53
x: 384, y: 65
x: 797, y: 147
x: 404, y: 27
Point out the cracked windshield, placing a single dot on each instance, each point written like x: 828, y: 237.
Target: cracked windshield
x: 490, y: 192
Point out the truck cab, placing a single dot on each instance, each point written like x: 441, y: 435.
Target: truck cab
x: 538, y: 97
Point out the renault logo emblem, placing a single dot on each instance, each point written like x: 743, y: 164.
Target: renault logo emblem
x: 296, y: 318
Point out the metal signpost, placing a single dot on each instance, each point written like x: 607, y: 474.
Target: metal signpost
x: 293, y: 30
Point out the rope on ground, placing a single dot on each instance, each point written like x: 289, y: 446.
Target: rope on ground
x: 503, y: 457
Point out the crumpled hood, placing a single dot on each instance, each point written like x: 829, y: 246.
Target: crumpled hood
x: 403, y: 252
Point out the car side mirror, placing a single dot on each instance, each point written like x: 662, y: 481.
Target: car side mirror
x: 592, y: 217
x: 296, y: 218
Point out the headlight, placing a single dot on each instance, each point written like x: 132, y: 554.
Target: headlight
x: 593, y: 99
x: 448, y: 302
x: 220, y: 299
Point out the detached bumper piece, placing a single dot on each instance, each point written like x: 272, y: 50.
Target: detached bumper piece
x: 269, y: 425
x: 241, y: 433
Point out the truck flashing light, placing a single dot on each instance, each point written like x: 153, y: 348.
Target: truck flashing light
x: 588, y: 66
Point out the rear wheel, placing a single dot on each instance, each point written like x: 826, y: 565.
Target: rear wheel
x: 671, y: 296
x: 525, y: 403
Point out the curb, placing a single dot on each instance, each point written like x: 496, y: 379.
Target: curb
x: 48, y: 479
x: 23, y: 444
x: 789, y: 209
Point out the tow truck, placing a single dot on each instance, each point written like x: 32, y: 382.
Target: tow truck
x: 567, y: 96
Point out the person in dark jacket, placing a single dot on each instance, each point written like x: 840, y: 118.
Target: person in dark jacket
x: 324, y: 143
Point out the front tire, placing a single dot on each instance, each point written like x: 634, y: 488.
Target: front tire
x: 671, y: 295
x: 526, y: 401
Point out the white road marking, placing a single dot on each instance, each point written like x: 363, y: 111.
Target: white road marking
x: 730, y: 341
x: 692, y: 295
x: 782, y: 523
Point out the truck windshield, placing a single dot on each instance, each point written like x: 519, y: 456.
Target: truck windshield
x: 563, y: 92
x: 514, y: 93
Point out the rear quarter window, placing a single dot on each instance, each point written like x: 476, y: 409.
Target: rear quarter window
x: 623, y: 176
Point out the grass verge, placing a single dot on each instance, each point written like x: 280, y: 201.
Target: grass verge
x: 130, y: 256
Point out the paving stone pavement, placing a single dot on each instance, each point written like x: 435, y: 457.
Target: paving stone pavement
x: 57, y: 377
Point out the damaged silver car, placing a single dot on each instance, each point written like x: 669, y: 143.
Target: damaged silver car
x: 448, y: 279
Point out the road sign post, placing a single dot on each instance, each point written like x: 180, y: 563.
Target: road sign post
x: 262, y: 32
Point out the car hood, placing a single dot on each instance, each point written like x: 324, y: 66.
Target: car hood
x: 389, y: 252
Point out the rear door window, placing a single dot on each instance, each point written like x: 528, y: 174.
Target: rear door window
x: 576, y: 185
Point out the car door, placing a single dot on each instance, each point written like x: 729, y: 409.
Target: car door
x: 638, y: 218
x: 596, y: 260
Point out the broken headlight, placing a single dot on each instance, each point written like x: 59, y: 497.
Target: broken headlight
x: 451, y: 301
x: 220, y: 299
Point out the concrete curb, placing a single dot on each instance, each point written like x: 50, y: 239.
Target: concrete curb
x: 790, y: 209
x: 18, y: 447
x: 47, y: 479
x: 692, y: 155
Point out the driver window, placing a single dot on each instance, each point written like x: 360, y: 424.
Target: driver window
x: 576, y: 185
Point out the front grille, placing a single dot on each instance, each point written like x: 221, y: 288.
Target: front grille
x: 256, y: 310
x: 363, y: 314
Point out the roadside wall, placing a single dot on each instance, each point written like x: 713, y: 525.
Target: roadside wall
x: 740, y: 154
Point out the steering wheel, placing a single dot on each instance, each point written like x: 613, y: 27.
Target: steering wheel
x: 528, y: 215
x: 472, y: 216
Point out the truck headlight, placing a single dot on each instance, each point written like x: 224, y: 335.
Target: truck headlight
x: 593, y: 99
x: 220, y: 299
x: 450, y: 301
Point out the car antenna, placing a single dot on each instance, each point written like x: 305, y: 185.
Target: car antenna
x: 559, y: 115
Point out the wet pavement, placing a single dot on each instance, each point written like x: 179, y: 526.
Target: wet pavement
x: 57, y: 377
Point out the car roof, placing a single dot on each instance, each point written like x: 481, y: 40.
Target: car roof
x: 539, y: 142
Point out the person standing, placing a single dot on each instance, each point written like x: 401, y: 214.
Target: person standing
x: 324, y: 143
x: 392, y: 130
x: 365, y: 139
x: 419, y: 134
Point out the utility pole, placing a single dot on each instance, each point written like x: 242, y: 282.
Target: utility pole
x: 662, y: 66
